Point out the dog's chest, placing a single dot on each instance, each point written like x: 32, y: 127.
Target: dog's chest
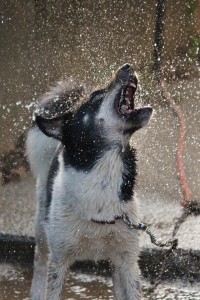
x: 95, y: 193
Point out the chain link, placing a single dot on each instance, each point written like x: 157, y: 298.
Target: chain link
x: 140, y: 226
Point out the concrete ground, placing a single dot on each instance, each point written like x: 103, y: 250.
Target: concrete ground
x: 15, y: 283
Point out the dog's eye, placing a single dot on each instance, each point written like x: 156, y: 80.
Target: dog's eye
x: 97, y: 95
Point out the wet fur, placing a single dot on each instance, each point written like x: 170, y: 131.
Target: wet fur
x: 85, y: 171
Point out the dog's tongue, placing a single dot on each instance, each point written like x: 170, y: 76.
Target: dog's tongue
x: 130, y: 92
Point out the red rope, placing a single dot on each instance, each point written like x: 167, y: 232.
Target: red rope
x: 182, y: 132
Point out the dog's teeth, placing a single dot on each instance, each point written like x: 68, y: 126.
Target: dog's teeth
x: 132, y: 84
x: 122, y: 96
x: 124, y: 107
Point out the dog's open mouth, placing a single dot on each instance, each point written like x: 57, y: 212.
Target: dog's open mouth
x: 126, y: 100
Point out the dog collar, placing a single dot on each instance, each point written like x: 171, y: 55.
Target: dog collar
x: 140, y: 226
x: 107, y: 222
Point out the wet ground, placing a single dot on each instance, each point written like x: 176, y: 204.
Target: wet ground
x: 15, y: 284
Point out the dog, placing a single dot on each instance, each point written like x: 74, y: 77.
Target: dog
x: 86, y: 170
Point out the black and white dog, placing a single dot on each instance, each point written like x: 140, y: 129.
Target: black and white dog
x: 86, y: 171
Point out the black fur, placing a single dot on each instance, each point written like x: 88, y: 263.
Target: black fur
x: 129, y: 175
x: 84, y: 142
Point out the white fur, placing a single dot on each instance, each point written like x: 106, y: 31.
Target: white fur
x: 108, y: 115
x: 40, y: 150
x: 104, y: 180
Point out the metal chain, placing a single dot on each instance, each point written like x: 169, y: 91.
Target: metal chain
x: 140, y: 226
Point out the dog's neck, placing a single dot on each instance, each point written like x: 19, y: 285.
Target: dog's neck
x: 103, y: 190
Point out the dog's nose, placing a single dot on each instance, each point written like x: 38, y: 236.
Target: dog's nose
x: 125, y: 67
x: 124, y: 73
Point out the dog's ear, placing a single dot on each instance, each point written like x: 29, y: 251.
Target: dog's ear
x: 52, y: 127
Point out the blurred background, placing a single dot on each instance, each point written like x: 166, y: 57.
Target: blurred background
x: 43, y: 41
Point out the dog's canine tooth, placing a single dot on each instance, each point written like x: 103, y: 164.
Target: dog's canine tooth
x: 124, y: 107
x: 133, y: 85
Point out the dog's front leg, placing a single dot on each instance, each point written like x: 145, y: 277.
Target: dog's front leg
x: 118, y: 291
x: 39, y: 276
x: 126, y: 282
x: 56, y: 277
x: 41, y: 250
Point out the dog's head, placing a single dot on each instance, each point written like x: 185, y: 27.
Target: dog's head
x: 109, y: 113
x: 117, y: 110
